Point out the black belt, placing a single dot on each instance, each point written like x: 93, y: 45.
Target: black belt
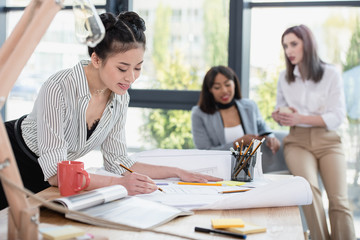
x: 20, y: 139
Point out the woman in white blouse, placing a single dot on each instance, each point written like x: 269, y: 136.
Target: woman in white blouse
x: 310, y: 100
x: 83, y: 108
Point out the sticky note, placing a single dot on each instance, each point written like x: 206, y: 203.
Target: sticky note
x: 227, y: 223
x: 247, y: 229
x: 61, y: 232
x: 231, y: 183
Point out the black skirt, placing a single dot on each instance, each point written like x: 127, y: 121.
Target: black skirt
x: 29, y: 169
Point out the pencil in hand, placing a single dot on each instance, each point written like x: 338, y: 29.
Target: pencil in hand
x: 131, y: 171
x: 127, y: 169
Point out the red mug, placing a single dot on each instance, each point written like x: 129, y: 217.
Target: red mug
x: 70, y: 176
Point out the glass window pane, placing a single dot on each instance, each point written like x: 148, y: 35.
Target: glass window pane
x: 157, y: 128
x: 184, y: 38
x: 57, y: 50
x: 332, y: 27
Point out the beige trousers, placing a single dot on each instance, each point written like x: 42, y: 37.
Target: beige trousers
x: 316, y: 150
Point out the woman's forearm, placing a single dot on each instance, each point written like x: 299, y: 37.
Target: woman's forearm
x: 316, y: 121
x: 96, y: 181
x: 154, y: 171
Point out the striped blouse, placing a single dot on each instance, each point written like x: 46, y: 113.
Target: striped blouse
x: 56, y: 128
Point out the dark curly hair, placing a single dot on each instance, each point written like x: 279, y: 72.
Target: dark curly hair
x: 123, y: 32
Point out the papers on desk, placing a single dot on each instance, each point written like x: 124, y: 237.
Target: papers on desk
x: 291, y: 191
x: 287, y: 192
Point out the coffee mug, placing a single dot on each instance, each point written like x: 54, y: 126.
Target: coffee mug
x: 70, y: 177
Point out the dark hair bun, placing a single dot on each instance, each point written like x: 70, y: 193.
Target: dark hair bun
x: 108, y: 19
x: 133, y: 19
x: 127, y: 29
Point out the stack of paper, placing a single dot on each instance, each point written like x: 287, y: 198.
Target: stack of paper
x: 290, y: 191
x: 293, y: 191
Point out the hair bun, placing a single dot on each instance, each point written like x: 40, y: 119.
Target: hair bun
x: 108, y: 19
x: 133, y: 19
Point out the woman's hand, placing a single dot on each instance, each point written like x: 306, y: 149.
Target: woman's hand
x: 290, y: 119
x: 276, y: 116
x: 188, y: 176
x: 273, y: 143
x: 136, y: 183
x: 246, y: 138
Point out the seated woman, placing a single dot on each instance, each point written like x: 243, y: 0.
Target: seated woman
x: 223, y: 118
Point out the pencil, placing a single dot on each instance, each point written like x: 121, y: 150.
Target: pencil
x: 235, y: 191
x: 252, y: 153
x: 199, y: 184
x: 242, y: 146
x: 243, y: 156
x: 129, y: 170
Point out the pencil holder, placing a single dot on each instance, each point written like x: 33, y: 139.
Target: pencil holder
x: 242, y: 167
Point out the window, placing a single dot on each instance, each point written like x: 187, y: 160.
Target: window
x: 57, y: 50
x: 184, y: 38
x: 187, y: 37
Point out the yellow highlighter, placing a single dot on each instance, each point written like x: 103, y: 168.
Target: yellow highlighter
x: 199, y: 184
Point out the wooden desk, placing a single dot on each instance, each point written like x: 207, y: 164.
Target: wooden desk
x: 281, y: 223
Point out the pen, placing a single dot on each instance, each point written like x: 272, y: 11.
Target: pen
x: 199, y: 184
x: 236, y: 191
x: 232, y: 150
x: 206, y: 230
x: 131, y: 171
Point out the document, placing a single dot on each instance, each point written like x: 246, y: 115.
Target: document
x: 290, y: 191
x: 293, y: 191
x: 262, y: 191
x: 112, y: 206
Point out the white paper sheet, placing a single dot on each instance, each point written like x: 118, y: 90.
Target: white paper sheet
x: 214, y: 163
x: 293, y: 191
x: 290, y: 191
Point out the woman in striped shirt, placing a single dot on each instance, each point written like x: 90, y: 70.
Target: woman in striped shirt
x: 84, y: 107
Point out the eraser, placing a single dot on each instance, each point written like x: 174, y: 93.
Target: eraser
x: 227, y: 222
x: 61, y: 232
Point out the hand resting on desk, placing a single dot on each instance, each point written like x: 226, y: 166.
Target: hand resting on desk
x: 188, y: 176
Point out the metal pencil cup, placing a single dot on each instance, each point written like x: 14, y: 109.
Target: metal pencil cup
x: 243, y: 171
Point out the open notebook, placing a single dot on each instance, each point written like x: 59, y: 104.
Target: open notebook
x: 111, y: 206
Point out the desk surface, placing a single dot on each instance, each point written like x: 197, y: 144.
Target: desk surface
x: 281, y: 223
